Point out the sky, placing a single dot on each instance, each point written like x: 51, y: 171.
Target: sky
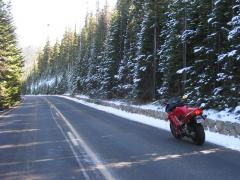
x: 38, y: 20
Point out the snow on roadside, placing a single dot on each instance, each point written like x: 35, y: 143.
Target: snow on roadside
x: 115, y: 102
x: 82, y: 96
x: 223, y: 140
x: 224, y: 115
x: 152, y: 106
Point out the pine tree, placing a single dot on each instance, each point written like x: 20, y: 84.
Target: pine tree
x: 82, y: 51
x: 175, y: 47
x: 231, y: 60
x: 125, y: 74
x: 10, y: 59
x: 170, y: 50
x: 218, y: 45
x: 197, y: 49
x: 43, y: 63
x: 145, y: 71
x: 54, y: 59
x: 110, y: 58
x: 65, y: 60
x: 113, y: 53
x: 97, y: 55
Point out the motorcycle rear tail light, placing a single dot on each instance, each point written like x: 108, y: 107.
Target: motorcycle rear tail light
x: 198, y: 112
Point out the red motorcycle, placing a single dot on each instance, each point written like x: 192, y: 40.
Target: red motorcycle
x: 185, y: 121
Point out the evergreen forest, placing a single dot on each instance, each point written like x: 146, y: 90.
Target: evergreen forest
x: 10, y: 59
x: 142, y: 51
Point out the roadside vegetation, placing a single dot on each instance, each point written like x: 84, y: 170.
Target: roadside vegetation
x: 10, y: 60
x: 146, y: 50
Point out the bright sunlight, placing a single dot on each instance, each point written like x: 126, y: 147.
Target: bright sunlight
x: 38, y: 20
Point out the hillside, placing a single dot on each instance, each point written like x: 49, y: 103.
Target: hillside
x: 147, y: 50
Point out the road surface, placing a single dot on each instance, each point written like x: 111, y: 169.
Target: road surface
x: 50, y: 137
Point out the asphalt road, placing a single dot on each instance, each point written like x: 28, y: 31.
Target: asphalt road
x: 55, y: 138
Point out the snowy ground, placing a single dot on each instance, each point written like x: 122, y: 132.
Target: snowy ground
x: 224, y: 115
x: 223, y: 140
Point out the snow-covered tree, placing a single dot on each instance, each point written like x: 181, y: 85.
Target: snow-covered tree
x: 146, y: 60
x: 114, y: 49
x: 171, y: 50
x: 150, y: 49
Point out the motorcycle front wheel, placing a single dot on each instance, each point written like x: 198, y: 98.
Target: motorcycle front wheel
x: 199, y: 137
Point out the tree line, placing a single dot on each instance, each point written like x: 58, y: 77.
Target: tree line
x: 147, y: 50
x: 10, y: 59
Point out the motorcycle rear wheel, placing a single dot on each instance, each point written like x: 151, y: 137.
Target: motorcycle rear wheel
x: 177, y: 136
x: 199, y: 137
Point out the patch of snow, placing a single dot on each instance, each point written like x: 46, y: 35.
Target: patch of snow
x: 221, y: 57
x: 234, y: 33
x: 221, y: 76
x: 203, y: 105
x: 143, y: 68
x: 186, y: 69
x: 116, y: 102
x: 198, y: 49
x: 136, y: 80
x: 187, y: 34
x: 127, y: 86
x: 212, y: 35
x: 151, y: 106
x: 217, y: 90
x: 237, y: 110
x: 217, y: 2
x: 232, y: 53
x: 236, y: 6
x: 210, y: 20
x: 82, y: 96
x: 67, y: 94
x: 235, y: 21
x: 117, y: 77
x: 223, y: 115
x: 223, y: 140
x: 209, y: 51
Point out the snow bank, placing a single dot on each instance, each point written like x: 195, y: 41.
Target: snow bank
x: 224, y: 115
x: 186, y: 69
